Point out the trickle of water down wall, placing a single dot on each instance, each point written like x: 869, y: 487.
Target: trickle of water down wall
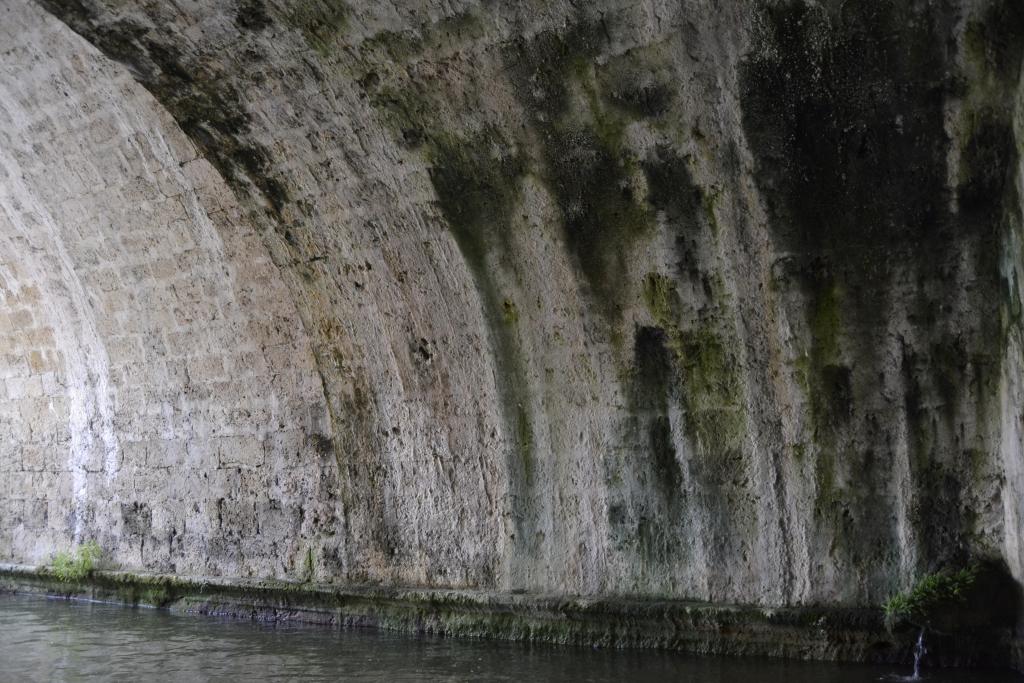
x: 708, y: 300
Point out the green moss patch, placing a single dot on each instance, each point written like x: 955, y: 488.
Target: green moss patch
x: 320, y: 21
x: 709, y: 377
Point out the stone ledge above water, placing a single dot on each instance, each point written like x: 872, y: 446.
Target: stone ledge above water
x: 806, y: 633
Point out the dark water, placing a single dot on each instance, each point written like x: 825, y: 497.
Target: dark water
x: 49, y: 640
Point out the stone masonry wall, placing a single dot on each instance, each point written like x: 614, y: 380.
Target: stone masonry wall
x: 159, y: 395
x: 713, y: 300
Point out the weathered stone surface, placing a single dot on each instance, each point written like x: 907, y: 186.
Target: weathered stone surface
x: 706, y: 300
x: 157, y: 383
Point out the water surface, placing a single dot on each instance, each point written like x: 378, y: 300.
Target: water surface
x: 56, y: 640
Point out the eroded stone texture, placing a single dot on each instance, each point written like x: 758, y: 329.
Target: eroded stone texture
x: 711, y: 300
x: 159, y: 393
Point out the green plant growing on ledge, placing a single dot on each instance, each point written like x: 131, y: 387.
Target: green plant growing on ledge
x: 78, y: 564
x: 933, y: 593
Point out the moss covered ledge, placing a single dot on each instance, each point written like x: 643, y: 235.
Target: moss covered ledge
x: 799, y: 633
x: 806, y: 633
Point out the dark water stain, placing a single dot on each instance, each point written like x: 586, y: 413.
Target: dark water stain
x: 206, y: 105
x: 478, y: 190
x: 584, y: 160
x: 843, y: 106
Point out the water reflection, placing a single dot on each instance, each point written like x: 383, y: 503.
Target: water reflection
x: 44, y: 640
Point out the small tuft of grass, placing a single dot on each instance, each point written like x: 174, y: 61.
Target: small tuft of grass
x: 77, y: 564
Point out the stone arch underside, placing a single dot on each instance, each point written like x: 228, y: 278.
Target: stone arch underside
x: 517, y: 297
x: 147, y: 401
